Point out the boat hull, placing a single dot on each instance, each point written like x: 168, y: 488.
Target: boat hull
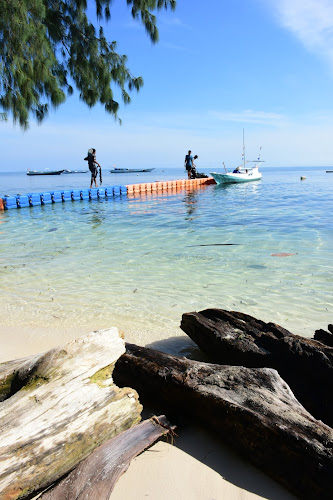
x: 129, y: 170
x: 51, y: 172
x: 230, y: 178
x: 75, y: 171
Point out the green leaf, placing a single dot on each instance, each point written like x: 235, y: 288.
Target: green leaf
x: 47, y: 47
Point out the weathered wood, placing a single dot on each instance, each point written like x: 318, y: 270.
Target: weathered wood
x: 234, y: 338
x: 68, y: 405
x: 14, y: 374
x: 253, y: 410
x: 96, y: 476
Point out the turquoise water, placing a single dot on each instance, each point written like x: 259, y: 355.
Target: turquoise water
x: 140, y: 263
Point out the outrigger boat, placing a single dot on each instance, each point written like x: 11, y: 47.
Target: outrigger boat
x: 243, y: 173
x: 129, y: 170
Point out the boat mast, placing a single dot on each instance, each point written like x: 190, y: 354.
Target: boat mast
x: 243, y: 150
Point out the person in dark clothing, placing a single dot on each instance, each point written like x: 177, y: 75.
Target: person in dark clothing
x: 189, y: 164
x: 93, y: 166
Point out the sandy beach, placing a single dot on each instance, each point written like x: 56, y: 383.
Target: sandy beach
x: 196, y: 466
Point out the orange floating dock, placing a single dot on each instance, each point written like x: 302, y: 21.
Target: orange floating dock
x: 163, y: 186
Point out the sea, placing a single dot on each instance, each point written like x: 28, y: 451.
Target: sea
x: 264, y: 248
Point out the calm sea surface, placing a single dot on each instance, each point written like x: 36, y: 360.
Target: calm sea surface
x: 140, y: 263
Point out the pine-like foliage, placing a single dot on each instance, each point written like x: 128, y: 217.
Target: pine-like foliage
x: 46, y: 46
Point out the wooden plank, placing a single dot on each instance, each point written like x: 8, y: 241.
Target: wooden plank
x: 97, y: 475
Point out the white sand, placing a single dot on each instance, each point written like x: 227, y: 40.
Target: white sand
x: 196, y: 467
x: 18, y: 342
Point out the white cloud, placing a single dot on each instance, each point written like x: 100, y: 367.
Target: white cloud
x: 173, y: 46
x: 173, y: 21
x: 250, y: 116
x: 311, y: 21
x: 162, y: 139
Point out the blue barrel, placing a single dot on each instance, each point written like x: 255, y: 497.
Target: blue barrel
x: 76, y: 194
x: 56, y: 197
x: 66, y: 195
x: 109, y: 191
x: 23, y: 201
x: 101, y: 193
x: 84, y: 194
x: 35, y: 199
x: 116, y: 190
x: 93, y: 194
x: 123, y: 189
x: 10, y: 202
x: 46, y: 198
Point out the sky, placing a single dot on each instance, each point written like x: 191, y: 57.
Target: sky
x: 220, y: 67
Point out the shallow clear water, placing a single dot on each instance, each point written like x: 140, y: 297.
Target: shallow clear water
x: 140, y: 263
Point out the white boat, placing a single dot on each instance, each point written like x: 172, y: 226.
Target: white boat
x: 243, y: 173
x: 129, y: 170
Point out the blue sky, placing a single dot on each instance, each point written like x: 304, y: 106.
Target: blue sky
x: 220, y: 66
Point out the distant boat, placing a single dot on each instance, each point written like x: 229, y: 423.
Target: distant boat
x: 44, y: 172
x: 129, y: 170
x: 75, y: 171
x: 329, y: 171
x: 243, y: 173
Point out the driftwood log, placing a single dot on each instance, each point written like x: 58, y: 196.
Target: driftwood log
x: 326, y: 337
x: 253, y: 410
x: 96, y: 476
x: 235, y: 338
x: 57, y: 408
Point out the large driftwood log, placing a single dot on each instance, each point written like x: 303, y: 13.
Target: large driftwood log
x: 62, y: 405
x: 96, y: 476
x: 235, y: 338
x: 326, y: 337
x: 253, y: 410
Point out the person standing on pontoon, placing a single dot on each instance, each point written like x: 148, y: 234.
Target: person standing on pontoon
x: 189, y: 163
x: 93, y: 164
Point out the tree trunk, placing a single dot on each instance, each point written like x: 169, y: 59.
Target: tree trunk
x: 96, y: 476
x: 60, y: 406
x: 253, y: 410
x: 235, y: 338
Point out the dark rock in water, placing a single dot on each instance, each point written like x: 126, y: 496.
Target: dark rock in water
x: 325, y: 337
x: 252, y: 409
x: 234, y: 338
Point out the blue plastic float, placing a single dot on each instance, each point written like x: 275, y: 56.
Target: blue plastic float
x: 48, y: 198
